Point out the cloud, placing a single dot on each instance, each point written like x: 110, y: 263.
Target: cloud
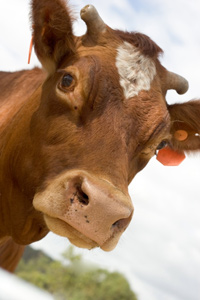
x: 165, y: 229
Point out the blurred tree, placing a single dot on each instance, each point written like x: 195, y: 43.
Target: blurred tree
x: 73, y: 279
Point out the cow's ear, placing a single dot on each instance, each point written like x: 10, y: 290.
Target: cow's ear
x: 185, y: 126
x: 52, y: 32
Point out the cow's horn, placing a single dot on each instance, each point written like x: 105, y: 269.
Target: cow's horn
x: 176, y: 82
x: 95, y: 24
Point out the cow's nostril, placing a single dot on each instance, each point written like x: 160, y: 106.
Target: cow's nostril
x: 118, y: 224
x: 82, y: 197
x: 122, y: 223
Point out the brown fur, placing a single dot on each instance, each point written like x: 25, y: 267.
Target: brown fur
x: 141, y: 41
x: 18, y: 85
x: 52, y: 38
x: 11, y: 253
x: 186, y: 116
x: 48, y: 129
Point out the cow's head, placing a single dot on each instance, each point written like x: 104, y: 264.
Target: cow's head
x: 101, y: 118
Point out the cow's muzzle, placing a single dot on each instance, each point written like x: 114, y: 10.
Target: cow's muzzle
x: 89, y: 210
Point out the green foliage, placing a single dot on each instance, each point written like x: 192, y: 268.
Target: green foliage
x: 70, y: 256
x: 74, y: 279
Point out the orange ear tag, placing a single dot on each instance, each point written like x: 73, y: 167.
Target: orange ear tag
x: 30, y: 50
x: 169, y: 157
x: 180, y: 135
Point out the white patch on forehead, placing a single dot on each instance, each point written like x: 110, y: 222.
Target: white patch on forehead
x: 136, y: 70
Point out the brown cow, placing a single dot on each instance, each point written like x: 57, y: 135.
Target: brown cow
x: 73, y: 140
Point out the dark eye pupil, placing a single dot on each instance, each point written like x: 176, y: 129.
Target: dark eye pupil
x: 163, y: 144
x: 67, y: 80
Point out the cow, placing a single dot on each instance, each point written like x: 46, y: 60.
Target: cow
x: 75, y: 133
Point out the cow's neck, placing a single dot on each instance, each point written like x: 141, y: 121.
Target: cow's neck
x: 16, y: 166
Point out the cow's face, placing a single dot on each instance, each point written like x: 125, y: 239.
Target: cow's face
x: 101, y: 118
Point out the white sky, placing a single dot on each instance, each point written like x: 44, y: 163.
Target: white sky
x: 160, y: 251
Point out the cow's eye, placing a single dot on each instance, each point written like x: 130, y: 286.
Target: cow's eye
x: 67, y: 81
x: 162, y: 145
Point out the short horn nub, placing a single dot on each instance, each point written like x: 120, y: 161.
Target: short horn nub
x: 95, y: 25
x: 176, y: 82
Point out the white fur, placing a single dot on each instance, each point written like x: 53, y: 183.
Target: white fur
x: 136, y: 70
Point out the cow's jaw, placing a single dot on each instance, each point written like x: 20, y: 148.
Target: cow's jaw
x: 89, y: 211
x: 64, y: 229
